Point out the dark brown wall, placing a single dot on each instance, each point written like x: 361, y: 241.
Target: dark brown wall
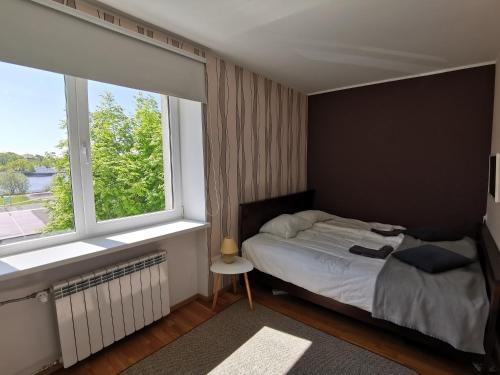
x: 411, y: 152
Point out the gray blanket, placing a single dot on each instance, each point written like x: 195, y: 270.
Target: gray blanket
x: 451, y: 306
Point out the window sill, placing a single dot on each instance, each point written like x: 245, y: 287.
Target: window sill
x: 50, y: 257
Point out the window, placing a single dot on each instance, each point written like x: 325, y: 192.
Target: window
x: 126, y: 137
x: 34, y: 158
x: 81, y: 158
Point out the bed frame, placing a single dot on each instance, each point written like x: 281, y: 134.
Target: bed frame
x: 253, y: 215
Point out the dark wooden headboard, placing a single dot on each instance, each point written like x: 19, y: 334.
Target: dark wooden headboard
x: 254, y: 214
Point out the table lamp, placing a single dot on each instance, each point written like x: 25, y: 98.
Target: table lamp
x: 228, y: 250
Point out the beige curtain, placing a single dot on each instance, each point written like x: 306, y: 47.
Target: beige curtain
x: 256, y: 138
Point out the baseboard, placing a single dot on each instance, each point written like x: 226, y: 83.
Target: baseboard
x: 184, y: 302
x: 49, y: 369
x: 205, y: 298
x: 197, y: 296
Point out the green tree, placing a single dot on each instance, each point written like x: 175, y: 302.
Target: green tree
x: 147, y: 167
x: 111, y: 142
x: 127, y: 164
x: 127, y: 158
x: 20, y: 165
x: 48, y: 160
x: 6, y: 157
x: 61, y: 206
x: 13, y: 182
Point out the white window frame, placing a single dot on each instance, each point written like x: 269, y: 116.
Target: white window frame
x: 85, y: 222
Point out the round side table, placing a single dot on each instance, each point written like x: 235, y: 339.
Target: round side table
x: 239, y: 266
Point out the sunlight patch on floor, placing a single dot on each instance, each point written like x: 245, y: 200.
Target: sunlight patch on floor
x: 269, y: 351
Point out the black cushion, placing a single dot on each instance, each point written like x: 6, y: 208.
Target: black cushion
x: 433, y: 234
x: 387, y: 233
x: 381, y: 253
x: 432, y: 259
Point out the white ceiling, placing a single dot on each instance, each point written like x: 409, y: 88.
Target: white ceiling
x: 316, y: 45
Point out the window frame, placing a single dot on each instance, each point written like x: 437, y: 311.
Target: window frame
x: 85, y: 221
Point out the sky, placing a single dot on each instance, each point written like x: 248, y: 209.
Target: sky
x: 32, y: 105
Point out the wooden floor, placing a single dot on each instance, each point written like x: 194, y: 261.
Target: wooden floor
x: 132, y: 349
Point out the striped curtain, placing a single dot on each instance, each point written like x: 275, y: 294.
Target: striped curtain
x: 255, y: 144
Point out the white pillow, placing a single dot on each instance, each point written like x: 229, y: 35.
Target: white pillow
x: 285, y: 226
x: 313, y: 216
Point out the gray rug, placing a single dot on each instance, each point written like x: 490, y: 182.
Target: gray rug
x: 240, y: 341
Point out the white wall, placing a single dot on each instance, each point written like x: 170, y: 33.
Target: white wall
x: 493, y: 210
x: 192, y: 166
x: 28, y: 330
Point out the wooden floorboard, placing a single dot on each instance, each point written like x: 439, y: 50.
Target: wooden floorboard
x: 132, y: 349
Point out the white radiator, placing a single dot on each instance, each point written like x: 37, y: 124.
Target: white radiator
x: 99, y: 308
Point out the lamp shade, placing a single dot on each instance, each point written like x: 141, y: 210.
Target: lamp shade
x: 228, y: 249
x: 229, y: 246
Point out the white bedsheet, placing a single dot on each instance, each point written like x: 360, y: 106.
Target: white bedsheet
x: 318, y: 259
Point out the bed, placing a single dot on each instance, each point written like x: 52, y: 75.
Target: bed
x: 317, y: 260
x: 343, y: 282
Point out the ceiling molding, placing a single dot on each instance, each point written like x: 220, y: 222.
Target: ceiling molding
x: 493, y: 62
